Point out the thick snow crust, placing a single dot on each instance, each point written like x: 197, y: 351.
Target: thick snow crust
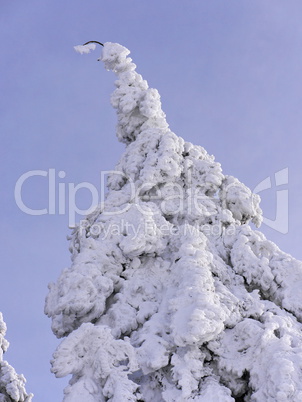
x: 171, y: 295
x: 12, y: 385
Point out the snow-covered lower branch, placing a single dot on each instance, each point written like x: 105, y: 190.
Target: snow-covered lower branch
x: 12, y: 385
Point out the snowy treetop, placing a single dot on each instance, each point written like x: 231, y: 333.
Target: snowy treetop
x: 138, y: 106
x: 171, y: 295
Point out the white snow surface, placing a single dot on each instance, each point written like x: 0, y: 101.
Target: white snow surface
x: 171, y: 295
x: 83, y: 49
x: 12, y: 385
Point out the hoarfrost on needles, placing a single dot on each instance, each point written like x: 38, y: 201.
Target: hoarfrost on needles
x: 171, y: 295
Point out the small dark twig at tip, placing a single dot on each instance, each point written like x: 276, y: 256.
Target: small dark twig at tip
x: 93, y: 41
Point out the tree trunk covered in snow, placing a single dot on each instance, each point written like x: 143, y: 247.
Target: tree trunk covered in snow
x: 171, y: 295
x: 12, y: 385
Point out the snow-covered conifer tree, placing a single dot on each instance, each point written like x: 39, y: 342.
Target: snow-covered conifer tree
x: 12, y: 385
x: 171, y: 295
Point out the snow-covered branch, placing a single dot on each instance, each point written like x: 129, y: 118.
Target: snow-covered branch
x: 12, y: 385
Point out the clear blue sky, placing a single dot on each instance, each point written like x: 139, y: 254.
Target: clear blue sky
x: 229, y: 73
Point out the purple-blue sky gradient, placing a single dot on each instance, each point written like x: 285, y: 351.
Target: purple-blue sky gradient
x: 230, y: 77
